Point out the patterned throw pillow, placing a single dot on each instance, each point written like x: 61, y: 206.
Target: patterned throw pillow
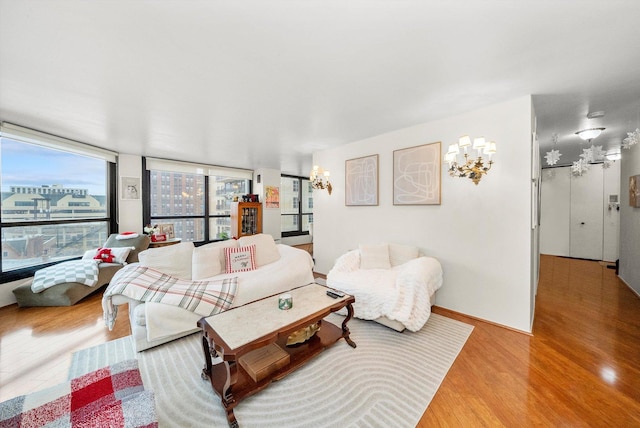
x: 240, y: 259
x: 119, y: 254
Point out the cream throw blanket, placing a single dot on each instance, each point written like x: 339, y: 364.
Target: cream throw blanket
x: 402, y: 293
x: 145, y: 284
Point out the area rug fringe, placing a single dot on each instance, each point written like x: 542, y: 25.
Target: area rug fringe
x: 388, y: 380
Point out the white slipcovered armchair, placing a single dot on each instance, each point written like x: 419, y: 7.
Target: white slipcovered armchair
x: 393, y: 284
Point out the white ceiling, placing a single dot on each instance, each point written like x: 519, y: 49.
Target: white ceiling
x: 265, y: 83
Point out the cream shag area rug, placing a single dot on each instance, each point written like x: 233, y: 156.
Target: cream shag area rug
x: 388, y: 380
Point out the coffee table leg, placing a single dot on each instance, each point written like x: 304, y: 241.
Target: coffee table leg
x: 345, y: 329
x: 206, y: 371
x: 231, y: 419
x: 221, y: 381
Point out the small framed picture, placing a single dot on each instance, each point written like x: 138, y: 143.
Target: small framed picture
x: 130, y: 188
x: 634, y: 191
x: 167, y: 229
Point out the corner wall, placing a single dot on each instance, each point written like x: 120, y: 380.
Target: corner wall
x: 480, y: 234
x: 271, y: 223
x: 629, y: 221
x: 129, y: 216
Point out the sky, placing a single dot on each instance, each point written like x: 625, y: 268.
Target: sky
x: 25, y: 164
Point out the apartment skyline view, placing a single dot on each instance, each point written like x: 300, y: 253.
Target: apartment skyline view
x: 50, y: 188
x: 30, y: 165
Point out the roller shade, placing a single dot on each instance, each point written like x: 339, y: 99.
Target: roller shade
x: 31, y: 136
x: 156, y: 164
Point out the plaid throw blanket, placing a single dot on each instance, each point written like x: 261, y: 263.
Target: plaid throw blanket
x: 82, y: 271
x: 112, y: 396
x: 149, y: 285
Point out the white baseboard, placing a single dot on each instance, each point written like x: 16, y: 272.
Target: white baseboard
x: 629, y: 287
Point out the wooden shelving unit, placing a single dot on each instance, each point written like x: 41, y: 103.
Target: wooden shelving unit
x: 246, y: 218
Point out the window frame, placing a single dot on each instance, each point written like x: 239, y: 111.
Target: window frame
x: 300, y: 214
x: 27, y: 136
x: 207, y: 217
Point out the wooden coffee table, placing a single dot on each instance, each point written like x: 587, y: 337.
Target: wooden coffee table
x: 227, y: 336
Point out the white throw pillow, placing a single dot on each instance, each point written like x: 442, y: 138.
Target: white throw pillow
x: 174, y: 260
x: 266, y: 248
x: 89, y: 254
x: 209, y: 260
x: 400, y: 254
x: 374, y: 256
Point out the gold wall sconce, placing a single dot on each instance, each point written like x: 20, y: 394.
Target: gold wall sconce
x: 319, y: 178
x: 472, y: 168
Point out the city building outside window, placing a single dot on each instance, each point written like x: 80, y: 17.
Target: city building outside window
x: 198, y: 205
x: 56, y: 200
x: 296, y: 205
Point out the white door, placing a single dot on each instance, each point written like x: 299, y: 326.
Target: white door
x: 586, y: 224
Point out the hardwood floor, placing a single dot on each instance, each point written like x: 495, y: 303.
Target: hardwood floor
x: 36, y: 344
x: 581, y: 366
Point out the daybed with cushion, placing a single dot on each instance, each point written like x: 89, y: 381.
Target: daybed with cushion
x: 277, y: 268
x: 393, y: 284
x: 68, y: 292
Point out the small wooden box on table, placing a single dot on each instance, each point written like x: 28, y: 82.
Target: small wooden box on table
x: 231, y: 335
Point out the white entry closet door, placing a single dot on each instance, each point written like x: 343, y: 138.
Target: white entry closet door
x: 577, y: 218
x: 586, y: 224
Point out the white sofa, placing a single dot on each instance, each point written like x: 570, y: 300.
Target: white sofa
x: 279, y: 268
x: 393, y: 284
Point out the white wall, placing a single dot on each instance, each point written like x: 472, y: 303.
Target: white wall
x: 480, y: 234
x: 271, y: 223
x: 129, y: 216
x: 555, y: 207
x: 6, y: 295
x: 629, y: 221
x: 611, y: 223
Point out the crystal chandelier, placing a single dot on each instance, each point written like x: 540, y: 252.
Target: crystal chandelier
x: 472, y: 168
x: 319, y: 179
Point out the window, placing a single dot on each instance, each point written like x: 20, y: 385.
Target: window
x: 56, y: 200
x: 198, y: 203
x: 296, y: 202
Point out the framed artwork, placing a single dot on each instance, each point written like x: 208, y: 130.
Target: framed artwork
x: 634, y: 191
x: 130, y: 188
x: 416, y: 175
x: 361, y: 181
x: 272, y: 197
x: 167, y: 229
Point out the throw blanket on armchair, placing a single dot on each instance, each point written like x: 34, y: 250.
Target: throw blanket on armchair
x: 402, y: 293
x: 149, y: 285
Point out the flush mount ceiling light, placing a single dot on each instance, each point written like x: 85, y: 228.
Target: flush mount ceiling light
x: 589, y: 134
